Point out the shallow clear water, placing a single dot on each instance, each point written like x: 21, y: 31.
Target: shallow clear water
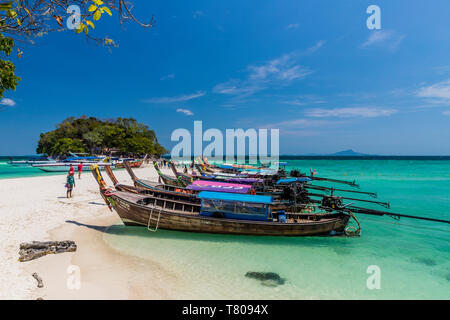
x: 413, y: 256
x: 8, y: 171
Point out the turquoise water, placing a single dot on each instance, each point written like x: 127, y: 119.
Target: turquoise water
x: 413, y: 256
x: 8, y: 171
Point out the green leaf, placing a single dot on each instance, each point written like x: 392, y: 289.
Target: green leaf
x: 19, y: 22
x: 97, y: 15
x: 108, y: 11
x: 98, y: 2
x: 11, y: 14
x: 92, y: 8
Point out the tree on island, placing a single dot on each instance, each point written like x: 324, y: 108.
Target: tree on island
x: 24, y: 20
x: 93, y: 135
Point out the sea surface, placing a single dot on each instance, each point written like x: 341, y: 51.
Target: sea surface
x: 8, y: 171
x: 411, y: 257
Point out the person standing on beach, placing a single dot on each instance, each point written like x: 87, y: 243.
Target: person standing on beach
x: 71, y: 170
x: 70, y: 183
x: 80, y: 168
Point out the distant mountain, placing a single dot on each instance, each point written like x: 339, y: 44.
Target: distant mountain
x: 348, y: 152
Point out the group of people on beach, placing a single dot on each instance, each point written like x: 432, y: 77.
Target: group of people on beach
x: 70, y: 180
x: 163, y: 163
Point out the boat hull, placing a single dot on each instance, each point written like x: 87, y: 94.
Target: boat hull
x: 134, y: 214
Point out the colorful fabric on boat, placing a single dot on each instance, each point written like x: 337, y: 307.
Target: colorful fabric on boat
x: 204, y: 185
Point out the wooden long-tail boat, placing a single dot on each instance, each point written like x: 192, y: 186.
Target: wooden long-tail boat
x: 217, y: 213
x: 174, y: 181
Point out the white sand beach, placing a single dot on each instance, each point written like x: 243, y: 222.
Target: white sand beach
x: 36, y: 208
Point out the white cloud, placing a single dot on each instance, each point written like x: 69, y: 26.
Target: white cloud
x: 168, y: 76
x: 186, y: 97
x: 237, y: 87
x: 276, y: 72
x: 350, y: 112
x: 282, y: 68
x: 8, y: 102
x: 304, y: 100
x: 314, y: 48
x: 446, y: 113
x: 439, y: 90
x: 292, y: 26
x: 197, y: 14
x: 185, y: 111
x: 388, y: 38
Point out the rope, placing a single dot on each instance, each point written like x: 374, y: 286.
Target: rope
x: 352, y: 231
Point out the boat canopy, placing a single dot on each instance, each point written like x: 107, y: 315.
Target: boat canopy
x: 290, y: 180
x: 235, y: 206
x: 235, y: 197
x: 205, y: 185
x: 225, y: 166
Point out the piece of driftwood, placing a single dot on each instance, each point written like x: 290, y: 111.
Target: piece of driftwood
x: 36, y: 249
x: 38, y: 279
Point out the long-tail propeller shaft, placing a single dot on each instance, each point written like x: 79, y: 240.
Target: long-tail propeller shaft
x: 330, y: 189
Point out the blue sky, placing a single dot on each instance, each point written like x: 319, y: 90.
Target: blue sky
x: 310, y: 68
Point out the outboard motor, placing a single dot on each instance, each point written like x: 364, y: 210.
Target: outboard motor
x: 331, y: 202
x: 295, y: 173
x: 288, y: 193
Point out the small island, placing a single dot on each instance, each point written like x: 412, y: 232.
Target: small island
x: 122, y: 136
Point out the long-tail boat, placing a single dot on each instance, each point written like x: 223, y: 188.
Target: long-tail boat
x: 294, y: 210
x: 193, y: 188
x: 218, y: 212
x: 291, y: 189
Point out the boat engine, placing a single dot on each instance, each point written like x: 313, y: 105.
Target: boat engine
x: 295, y: 173
x: 331, y: 202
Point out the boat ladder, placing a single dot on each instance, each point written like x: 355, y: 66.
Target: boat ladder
x: 150, y: 218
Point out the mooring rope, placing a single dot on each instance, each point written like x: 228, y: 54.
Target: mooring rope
x: 352, y: 231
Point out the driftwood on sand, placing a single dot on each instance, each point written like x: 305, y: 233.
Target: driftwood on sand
x: 36, y: 249
x: 39, y: 280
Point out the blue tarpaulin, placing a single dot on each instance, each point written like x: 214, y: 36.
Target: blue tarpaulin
x: 290, y: 180
x: 235, y: 197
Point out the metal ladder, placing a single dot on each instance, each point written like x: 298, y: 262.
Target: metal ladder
x: 150, y: 218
